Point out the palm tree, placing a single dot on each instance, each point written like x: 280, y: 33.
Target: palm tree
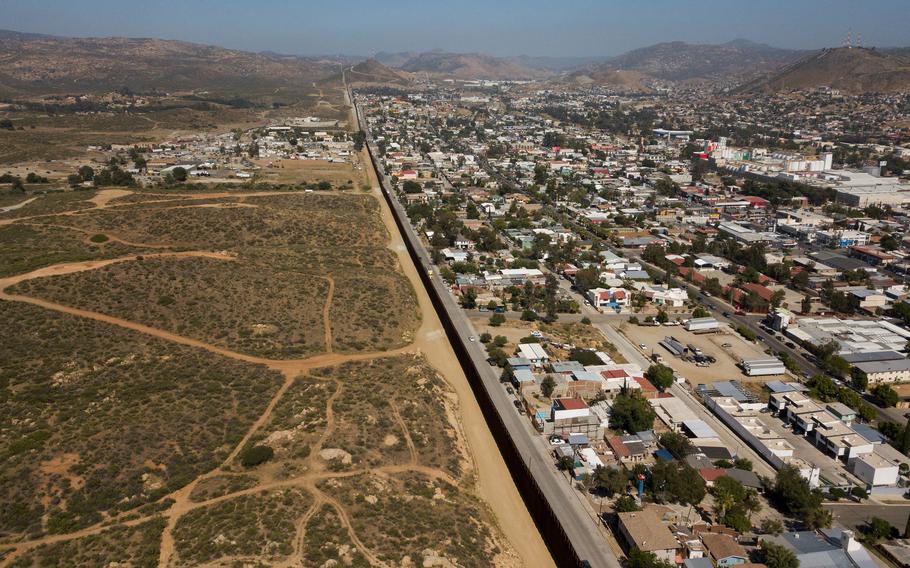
x: 752, y: 503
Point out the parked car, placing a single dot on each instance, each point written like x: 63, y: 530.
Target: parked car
x: 556, y: 441
x: 726, y: 345
x: 472, y: 338
x: 510, y: 390
x: 642, y: 346
x: 726, y: 314
x: 519, y: 406
x: 536, y: 333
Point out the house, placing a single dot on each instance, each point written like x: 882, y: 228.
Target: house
x: 827, y: 548
x: 572, y: 416
x: 645, y: 531
x: 533, y: 352
x: 723, y: 550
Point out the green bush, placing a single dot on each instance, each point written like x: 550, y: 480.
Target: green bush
x: 99, y: 238
x: 255, y: 455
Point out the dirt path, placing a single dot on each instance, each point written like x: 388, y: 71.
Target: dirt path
x: 494, y: 482
x: 103, y: 197
x: 19, y: 205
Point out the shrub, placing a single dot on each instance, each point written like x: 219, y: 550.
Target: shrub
x: 99, y: 238
x: 255, y: 455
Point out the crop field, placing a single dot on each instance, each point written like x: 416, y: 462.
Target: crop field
x: 97, y: 420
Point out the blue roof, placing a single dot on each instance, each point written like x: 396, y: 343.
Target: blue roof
x: 636, y: 275
x: 664, y: 455
x: 523, y: 376
x: 577, y: 439
x: 779, y: 387
x: 869, y: 433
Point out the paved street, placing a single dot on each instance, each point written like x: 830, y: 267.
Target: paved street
x: 856, y: 514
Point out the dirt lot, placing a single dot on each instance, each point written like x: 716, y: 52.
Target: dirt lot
x: 578, y: 334
x: 310, y: 171
x: 710, y: 344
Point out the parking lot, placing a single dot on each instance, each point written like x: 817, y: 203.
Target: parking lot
x: 711, y: 344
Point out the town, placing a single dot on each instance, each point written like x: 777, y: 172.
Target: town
x: 709, y: 333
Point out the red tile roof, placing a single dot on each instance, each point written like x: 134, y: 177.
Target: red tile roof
x: 618, y: 447
x: 570, y: 403
x: 712, y: 473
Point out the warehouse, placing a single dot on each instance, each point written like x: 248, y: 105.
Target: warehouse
x: 894, y: 371
x: 763, y: 367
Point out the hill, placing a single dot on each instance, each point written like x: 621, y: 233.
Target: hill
x: 469, y: 66
x: 851, y: 70
x: 373, y: 72
x: 35, y: 64
x: 682, y: 62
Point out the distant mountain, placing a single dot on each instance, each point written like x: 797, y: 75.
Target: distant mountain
x: 684, y: 62
x: 35, y: 64
x: 615, y: 79
x: 466, y: 66
x: 395, y: 59
x: 555, y: 64
x: 373, y: 72
x: 851, y: 70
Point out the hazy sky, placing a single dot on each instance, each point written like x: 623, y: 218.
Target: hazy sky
x: 499, y: 27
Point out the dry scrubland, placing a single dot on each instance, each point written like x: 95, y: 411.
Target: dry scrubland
x: 98, y: 420
x: 125, y: 444
x: 270, y: 301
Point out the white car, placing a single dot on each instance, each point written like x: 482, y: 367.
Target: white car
x: 556, y: 441
x: 472, y: 338
x: 536, y: 333
x: 642, y: 346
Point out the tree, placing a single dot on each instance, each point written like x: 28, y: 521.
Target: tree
x: 677, y: 482
x: 743, y: 463
x: 660, y: 375
x: 255, y: 455
x: 640, y: 559
x: 609, y: 480
x: 547, y: 386
x: 586, y: 320
x: 884, y: 395
x: 469, y: 299
x: 584, y: 356
x: 776, y: 556
x: 700, y: 312
x: 179, y: 174
x: 500, y: 341
x: 727, y: 492
x: 528, y: 315
x: 73, y: 179
x: 625, y: 504
x: 86, y: 173
x: 566, y: 463
x: 677, y: 444
x: 631, y: 413
x: 411, y: 186
x: 497, y: 320
x: 859, y: 492
x: 823, y: 388
x: 793, y: 495
x: 859, y: 379
x: 485, y: 337
x: 878, y: 529
x: 587, y: 279
x: 772, y: 526
x: 662, y: 316
x: 866, y: 413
